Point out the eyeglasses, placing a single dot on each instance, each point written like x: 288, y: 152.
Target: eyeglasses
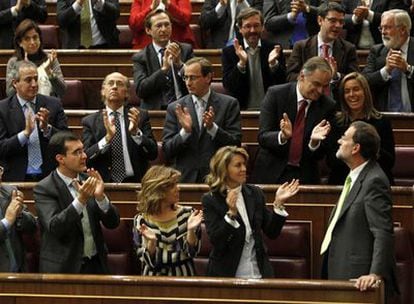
x: 191, y: 77
x: 332, y: 20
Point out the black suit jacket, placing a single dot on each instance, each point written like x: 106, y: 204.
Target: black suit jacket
x: 362, y: 239
x: 150, y: 82
x: 35, y: 11
x: 94, y: 130
x: 192, y: 157
x: 25, y: 223
x: 272, y: 157
x: 13, y: 157
x: 379, y: 87
x: 237, y: 83
x: 62, y: 234
x: 228, y: 241
x: 69, y: 23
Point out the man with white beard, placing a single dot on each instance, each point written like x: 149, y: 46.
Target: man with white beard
x: 390, y: 65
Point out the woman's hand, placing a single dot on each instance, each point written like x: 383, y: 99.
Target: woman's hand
x: 195, y: 220
x: 150, y: 238
x: 231, y: 200
x: 285, y: 191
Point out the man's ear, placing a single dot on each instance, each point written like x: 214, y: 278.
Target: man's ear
x: 148, y: 31
x: 59, y: 158
x: 356, y: 149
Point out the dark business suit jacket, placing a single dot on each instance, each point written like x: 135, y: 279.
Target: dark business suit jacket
x: 192, y: 157
x: 94, y: 130
x: 379, y: 87
x: 25, y: 223
x: 378, y: 7
x: 228, y: 241
x: 151, y: 83
x: 362, y: 240
x: 35, y: 11
x: 13, y: 157
x: 61, y: 248
x: 343, y: 51
x: 278, y: 27
x: 218, y: 28
x: 69, y: 23
x: 237, y: 83
x: 272, y: 158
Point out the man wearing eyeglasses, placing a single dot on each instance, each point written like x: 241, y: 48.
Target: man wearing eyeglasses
x: 15, y: 220
x: 200, y: 123
x: 158, y: 67
x: 71, y: 206
x: 27, y: 121
x: 327, y: 44
x: 118, y: 139
x: 389, y: 69
x: 253, y: 64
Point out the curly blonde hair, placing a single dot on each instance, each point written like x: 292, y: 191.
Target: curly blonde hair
x: 154, y: 187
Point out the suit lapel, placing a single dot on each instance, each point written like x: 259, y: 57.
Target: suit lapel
x: 338, y: 52
x: 17, y: 113
x: 153, y: 57
x: 312, y: 49
x: 292, y: 107
x: 249, y: 202
x: 188, y: 102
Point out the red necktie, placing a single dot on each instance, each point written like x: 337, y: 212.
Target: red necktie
x: 296, y: 143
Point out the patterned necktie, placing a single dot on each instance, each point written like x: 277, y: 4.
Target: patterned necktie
x: 328, y: 236
x: 89, y: 248
x: 117, y: 153
x: 395, y: 99
x: 85, y: 25
x: 199, y: 105
x: 296, y: 142
x: 33, y: 146
x: 9, y: 248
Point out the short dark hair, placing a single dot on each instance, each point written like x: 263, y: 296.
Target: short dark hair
x: 21, y: 30
x: 247, y: 13
x: 324, y: 9
x: 368, y: 139
x: 57, y: 143
x: 147, y: 21
x: 206, y: 66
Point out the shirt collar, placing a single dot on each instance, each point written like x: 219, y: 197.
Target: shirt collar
x: 120, y: 111
x: 299, y: 95
x: 353, y: 174
x: 157, y: 47
x: 404, y: 47
x: 205, y: 98
x: 320, y: 42
x: 23, y: 101
x: 247, y: 47
x: 67, y: 180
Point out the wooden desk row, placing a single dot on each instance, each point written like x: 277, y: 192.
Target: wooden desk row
x: 311, y: 206
x: 93, y: 289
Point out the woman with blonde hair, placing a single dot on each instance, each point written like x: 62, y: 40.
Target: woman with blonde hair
x: 236, y: 215
x: 356, y: 104
x: 166, y: 235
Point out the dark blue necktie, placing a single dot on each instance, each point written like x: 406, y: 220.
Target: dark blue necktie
x: 395, y: 99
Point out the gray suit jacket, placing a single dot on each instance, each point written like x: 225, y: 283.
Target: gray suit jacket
x: 362, y: 240
x: 25, y: 223
x: 192, y: 157
x: 61, y: 248
x: 150, y: 82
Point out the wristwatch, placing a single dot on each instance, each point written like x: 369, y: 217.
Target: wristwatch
x: 409, y: 70
x: 231, y: 216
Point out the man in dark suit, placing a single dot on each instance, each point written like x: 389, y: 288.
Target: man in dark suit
x: 253, y: 65
x: 362, y: 19
x: 198, y: 124
x: 389, y: 68
x: 15, y: 219
x: 359, y: 242
x: 288, y: 21
x: 88, y: 23
x: 13, y: 12
x: 328, y: 44
x: 71, y: 206
x: 27, y: 121
x: 219, y: 18
x: 292, y: 126
x: 158, y: 67
x: 134, y: 133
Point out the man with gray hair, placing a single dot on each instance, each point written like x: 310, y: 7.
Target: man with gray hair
x: 390, y: 65
x: 292, y: 125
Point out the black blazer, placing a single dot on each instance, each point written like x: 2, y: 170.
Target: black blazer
x: 61, y: 247
x: 228, y: 241
x: 36, y: 11
x: 69, y: 23
x: 272, y: 158
x: 25, y: 223
x: 94, y: 130
x: 237, y: 83
x: 379, y: 87
x: 13, y: 157
x: 150, y: 82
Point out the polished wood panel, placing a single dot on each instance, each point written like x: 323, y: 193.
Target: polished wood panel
x: 82, y: 289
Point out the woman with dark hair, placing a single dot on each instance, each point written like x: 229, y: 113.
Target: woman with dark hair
x: 28, y: 45
x: 236, y: 216
x: 356, y: 104
x: 166, y: 235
